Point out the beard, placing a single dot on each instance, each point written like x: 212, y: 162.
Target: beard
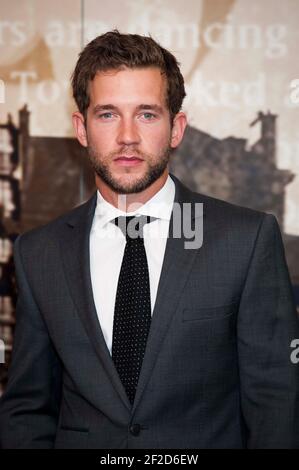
x: 156, y: 165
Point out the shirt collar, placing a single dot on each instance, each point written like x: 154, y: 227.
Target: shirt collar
x: 159, y: 206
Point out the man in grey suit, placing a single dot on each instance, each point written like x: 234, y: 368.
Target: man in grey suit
x: 147, y: 341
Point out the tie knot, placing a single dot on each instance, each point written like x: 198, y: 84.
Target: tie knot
x: 132, y: 226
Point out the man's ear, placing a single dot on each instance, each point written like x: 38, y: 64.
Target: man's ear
x: 79, y: 126
x: 178, y: 129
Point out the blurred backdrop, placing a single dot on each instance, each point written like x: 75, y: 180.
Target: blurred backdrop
x: 240, y: 62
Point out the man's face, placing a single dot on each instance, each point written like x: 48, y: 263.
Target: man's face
x: 128, y: 131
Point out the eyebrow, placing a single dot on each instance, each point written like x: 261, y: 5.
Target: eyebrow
x: 112, y: 107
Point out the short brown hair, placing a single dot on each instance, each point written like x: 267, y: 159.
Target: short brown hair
x: 114, y: 50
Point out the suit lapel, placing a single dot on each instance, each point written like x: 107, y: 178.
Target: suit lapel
x: 176, y: 267
x: 76, y: 261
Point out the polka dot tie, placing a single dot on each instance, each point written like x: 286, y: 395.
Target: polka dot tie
x: 132, y: 312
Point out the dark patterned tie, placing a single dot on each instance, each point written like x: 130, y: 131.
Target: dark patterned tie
x: 132, y: 312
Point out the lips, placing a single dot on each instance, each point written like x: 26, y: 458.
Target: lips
x: 126, y: 157
x: 128, y: 161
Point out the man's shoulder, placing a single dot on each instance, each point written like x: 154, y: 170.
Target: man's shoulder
x: 227, y: 212
x: 220, y: 210
x: 238, y: 224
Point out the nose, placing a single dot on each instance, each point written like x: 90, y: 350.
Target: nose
x: 128, y: 132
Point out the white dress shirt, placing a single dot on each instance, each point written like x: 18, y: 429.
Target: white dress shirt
x: 107, y: 245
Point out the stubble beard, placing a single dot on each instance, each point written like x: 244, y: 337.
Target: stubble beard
x: 156, y: 166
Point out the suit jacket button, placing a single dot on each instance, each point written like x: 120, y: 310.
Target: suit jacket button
x: 135, y: 429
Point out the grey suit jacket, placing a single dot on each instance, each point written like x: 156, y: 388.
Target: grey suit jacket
x: 217, y: 371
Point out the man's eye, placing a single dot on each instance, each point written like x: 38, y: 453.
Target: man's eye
x: 148, y: 116
x: 106, y: 115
